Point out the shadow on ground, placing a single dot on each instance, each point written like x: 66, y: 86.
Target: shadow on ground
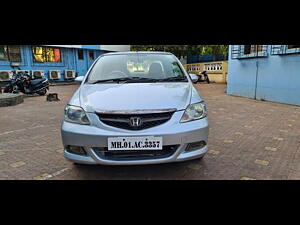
x: 171, y: 171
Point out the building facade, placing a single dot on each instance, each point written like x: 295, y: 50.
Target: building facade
x: 55, y: 62
x: 265, y: 72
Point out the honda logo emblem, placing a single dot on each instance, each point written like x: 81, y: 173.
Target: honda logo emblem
x: 135, y: 121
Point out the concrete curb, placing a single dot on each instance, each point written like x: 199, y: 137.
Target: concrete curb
x: 8, y: 99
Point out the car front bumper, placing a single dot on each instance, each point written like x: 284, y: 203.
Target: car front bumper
x: 95, y: 135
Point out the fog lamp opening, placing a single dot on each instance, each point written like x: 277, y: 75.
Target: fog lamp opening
x: 195, y: 146
x: 76, y: 150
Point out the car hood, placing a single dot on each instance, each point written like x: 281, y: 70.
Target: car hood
x: 135, y: 96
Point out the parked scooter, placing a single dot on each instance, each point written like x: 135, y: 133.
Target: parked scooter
x: 22, y: 82
x: 203, y: 77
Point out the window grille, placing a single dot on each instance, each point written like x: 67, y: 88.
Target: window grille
x: 14, y: 53
x: 285, y: 49
x: 10, y: 53
x: 248, y: 51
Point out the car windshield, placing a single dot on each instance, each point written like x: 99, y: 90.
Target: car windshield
x: 139, y: 67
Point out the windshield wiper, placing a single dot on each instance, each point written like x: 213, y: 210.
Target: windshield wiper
x: 173, y: 79
x: 125, y: 79
x: 110, y: 80
x: 140, y: 79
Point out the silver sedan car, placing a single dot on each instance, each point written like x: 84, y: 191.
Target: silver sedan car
x: 135, y: 108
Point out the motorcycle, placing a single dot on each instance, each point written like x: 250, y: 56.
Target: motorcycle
x: 22, y: 82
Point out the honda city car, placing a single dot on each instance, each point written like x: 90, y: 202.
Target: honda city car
x: 135, y: 108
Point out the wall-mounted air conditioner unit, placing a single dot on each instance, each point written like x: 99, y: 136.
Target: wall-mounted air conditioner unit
x: 54, y: 74
x: 70, y: 74
x: 23, y: 71
x: 6, y: 75
x: 37, y: 74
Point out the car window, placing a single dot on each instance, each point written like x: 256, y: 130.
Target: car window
x: 154, y: 66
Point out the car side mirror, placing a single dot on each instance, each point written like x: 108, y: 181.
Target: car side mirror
x: 79, y: 79
x: 194, y: 77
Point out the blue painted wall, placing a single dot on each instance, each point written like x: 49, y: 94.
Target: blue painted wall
x: 272, y: 78
x: 69, y: 61
x: 95, y: 47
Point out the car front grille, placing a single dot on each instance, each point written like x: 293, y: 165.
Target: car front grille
x: 123, y: 120
x: 104, y: 153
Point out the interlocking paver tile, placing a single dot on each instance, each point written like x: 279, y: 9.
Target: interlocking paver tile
x: 261, y: 162
x: 60, y: 151
x: 278, y: 138
x: 17, y: 164
x: 284, y: 131
x: 213, y: 152
x: 247, y: 178
x: 271, y: 149
x: 194, y: 166
x: 43, y: 176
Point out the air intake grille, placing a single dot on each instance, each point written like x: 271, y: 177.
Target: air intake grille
x: 124, y: 120
x: 167, y: 151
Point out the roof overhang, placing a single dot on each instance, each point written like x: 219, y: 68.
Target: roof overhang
x: 114, y: 48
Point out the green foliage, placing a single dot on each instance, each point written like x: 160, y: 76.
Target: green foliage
x: 185, y: 50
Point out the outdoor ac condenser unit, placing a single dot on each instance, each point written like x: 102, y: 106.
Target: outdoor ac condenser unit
x: 37, y: 73
x: 54, y: 74
x: 70, y: 74
x: 5, y: 75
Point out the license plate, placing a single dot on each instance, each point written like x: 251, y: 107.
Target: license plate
x: 135, y: 143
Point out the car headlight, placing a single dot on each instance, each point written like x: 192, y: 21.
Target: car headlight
x: 76, y: 114
x: 194, y: 112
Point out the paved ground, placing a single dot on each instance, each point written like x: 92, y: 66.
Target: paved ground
x: 248, y: 139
